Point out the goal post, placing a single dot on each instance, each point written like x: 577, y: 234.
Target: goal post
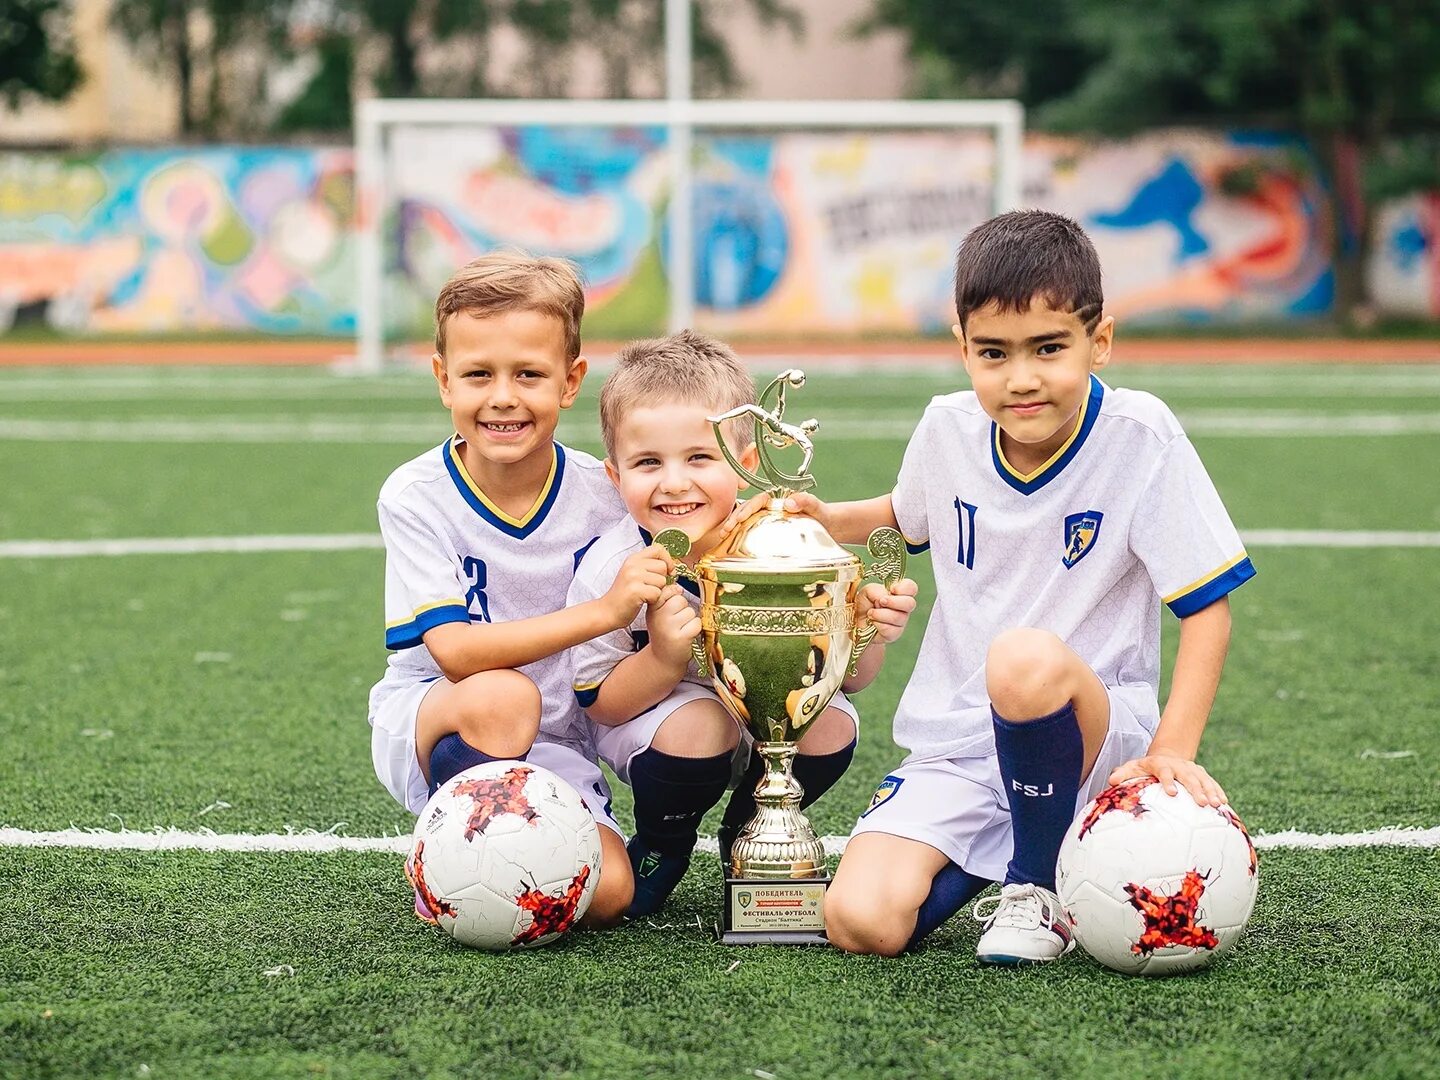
x: 680, y: 118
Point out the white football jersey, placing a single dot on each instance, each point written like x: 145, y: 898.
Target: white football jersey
x: 1121, y: 518
x: 594, y: 659
x: 451, y: 555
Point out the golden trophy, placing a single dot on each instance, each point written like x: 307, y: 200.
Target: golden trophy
x: 779, y: 635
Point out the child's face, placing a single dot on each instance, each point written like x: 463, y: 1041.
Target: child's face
x: 505, y: 378
x: 1031, y: 371
x: 670, y: 473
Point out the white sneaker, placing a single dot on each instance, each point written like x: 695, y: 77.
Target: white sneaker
x: 1025, y: 924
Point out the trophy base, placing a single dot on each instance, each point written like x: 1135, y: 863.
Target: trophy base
x: 773, y: 912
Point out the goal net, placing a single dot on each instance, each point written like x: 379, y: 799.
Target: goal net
x: 745, y: 218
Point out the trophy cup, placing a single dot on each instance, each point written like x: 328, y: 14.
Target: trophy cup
x: 779, y: 634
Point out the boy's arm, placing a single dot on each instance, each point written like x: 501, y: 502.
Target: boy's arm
x: 645, y: 678
x: 847, y: 522
x: 890, y: 611
x: 1204, y: 641
x: 462, y: 649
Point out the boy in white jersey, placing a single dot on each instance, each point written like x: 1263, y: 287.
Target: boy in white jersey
x: 1059, y: 513
x: 658, y: 724
x: 482, y: 535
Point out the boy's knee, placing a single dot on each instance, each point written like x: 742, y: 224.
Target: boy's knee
x: 874, y: 921
x: 607, y: 907
x: 498, y: 712
x: 833, y: 730
x: 1026, y: 673
x: 697, y: 729
x: 613, y: 892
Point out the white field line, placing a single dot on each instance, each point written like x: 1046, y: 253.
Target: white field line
x: 428, y: 427
x: 208, y: 545
x: 111, y: 385
x: 309, y: 842
x: 187, y: 545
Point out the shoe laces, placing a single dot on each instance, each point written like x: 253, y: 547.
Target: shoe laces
x: 1023, y: 906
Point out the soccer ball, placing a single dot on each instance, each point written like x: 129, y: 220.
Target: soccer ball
x: 505, y: 855
x: 1156, y: 884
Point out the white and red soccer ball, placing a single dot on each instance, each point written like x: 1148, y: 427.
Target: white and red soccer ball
x: 1155, y: 883
x: 505, y: 855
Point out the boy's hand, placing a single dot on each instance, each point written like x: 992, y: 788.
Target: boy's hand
x: 673, y: 624
x: 888, y: 609
x: 802, y: 502
x: 1169, y: 768
x: 756, y: 504
x: 641, y: 578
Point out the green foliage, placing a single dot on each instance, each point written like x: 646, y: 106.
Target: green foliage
x: 37, y: 55
x: 1365, y: 68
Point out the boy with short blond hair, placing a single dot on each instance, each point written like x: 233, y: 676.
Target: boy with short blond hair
x: 1060, y: 513
x: 482, y: 535
x: 657, y: 722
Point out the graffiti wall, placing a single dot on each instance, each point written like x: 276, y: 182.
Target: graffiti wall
x: 796, y: 233
x: 142, y: 241
x: 1404, y: 264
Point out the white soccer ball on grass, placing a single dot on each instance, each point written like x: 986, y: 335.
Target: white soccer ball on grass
x: 1155, y: 883
x: 505, y: 855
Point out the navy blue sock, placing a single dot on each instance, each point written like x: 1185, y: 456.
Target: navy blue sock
x: 1040, y: 762
x: 951, y: 890
x: 453, y: 755
x: 671, y: 796
x: 816, y: 773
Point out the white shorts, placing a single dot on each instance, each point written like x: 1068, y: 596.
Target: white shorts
x: 392, y: 748
x: 618, y: 744
x: 958, y: 805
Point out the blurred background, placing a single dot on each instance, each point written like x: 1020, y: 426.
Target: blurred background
x: 187, y: 170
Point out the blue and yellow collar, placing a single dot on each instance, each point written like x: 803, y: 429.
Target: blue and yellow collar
x: 1027, y: 483
x: 517, y: 527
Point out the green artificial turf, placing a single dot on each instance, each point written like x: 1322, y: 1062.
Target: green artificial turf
x: 228, y: 692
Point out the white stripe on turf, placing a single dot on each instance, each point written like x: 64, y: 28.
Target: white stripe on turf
x: 330, y: 842
x: 187, y: 545
x: 206, y: 545
x: 428, y: 427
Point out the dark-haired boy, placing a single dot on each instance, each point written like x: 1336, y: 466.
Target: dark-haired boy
x: 1061, y: 512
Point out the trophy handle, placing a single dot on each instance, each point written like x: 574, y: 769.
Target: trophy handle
x: 888, y: 548
x: 677, y: 544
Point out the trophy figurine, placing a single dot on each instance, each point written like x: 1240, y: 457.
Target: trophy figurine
x: 779, y: 635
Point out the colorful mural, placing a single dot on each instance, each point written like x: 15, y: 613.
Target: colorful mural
x: 139, y: 240
x: 796, y: 233
x: 1404, y: 265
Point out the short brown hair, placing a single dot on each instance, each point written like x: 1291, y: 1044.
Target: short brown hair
x: 1017, y: 256
x: 514, y: 281
x: 683, y: 366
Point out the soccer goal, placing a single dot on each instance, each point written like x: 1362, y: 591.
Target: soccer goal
x: 440, y: 181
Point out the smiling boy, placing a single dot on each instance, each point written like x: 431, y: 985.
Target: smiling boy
x: 482, y: 535
x: 657, y: 722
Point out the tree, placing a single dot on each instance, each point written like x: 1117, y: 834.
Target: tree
x: 442, y: 48
x: 1356, y: 77
x: 37, y: 56
x: 188, y: 38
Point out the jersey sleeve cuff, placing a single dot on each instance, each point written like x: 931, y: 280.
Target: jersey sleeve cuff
x: 1210, y: 588
x: 407, y: 635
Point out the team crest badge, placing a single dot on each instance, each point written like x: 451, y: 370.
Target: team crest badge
x: 1081, y: 531
x: 744, y: 898
x: 884, y: 793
